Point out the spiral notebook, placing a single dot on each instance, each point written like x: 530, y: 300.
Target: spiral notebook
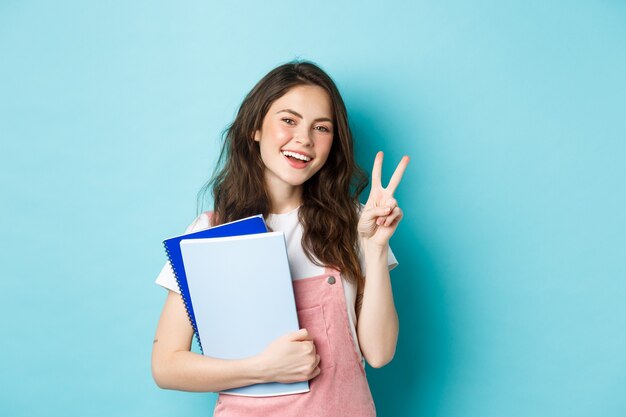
x: 238, y: 293
x: 246, y: 226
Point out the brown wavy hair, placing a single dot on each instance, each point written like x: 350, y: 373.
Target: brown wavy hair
x: 330, y: 208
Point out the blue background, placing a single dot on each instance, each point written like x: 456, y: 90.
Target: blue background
x: 511, y: 284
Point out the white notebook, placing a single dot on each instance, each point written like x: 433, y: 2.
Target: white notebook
x: 242, y: 296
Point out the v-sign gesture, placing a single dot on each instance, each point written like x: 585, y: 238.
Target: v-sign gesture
x: 381, y: 214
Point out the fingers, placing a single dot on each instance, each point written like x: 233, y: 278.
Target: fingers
x: 316, y: 370
x: 300, y: 335
x: 315, y: 373
x: 397, y: 174
x: 380, y: 211
x: 377, y: 170
x: 385, y: 210
x: 314, y: 366
x: 395, y: 178
x: 394, y: 217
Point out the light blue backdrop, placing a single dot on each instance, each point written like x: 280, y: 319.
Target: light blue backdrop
x: 512, y: 282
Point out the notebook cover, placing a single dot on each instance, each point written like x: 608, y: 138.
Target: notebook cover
x: 248, y: 225
x: 243, y: 299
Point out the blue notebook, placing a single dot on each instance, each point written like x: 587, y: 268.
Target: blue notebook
x: 249, y: 225
x: 207, y: 251
x: 243, y: 299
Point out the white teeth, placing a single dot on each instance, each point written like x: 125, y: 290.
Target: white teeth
x: 297, y: 155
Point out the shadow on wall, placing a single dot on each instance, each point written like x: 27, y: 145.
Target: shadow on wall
x: 416, y: 379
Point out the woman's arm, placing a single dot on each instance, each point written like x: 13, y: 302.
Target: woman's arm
x: 174, y: 366
x: 289, y: 358
x: 377, y: 325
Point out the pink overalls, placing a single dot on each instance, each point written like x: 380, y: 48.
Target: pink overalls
x: 341, y: 388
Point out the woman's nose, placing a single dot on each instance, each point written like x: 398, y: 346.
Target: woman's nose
x: 303, y: 138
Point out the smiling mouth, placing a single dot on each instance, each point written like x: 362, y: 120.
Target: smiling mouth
x: 296, y: 160
x: 297, y: 156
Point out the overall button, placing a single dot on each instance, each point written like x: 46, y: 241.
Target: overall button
x: 331, y: 280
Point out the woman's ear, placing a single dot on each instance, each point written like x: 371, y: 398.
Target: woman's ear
x: 257, y: 136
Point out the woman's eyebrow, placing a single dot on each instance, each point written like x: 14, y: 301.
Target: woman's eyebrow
x: 295, y: 113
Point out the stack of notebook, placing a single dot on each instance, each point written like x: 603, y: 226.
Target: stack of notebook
x: 236, y: 285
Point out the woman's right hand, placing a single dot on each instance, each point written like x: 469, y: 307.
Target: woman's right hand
x: 290, y: 358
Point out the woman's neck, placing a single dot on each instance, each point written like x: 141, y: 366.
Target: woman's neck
x: 284, y: 197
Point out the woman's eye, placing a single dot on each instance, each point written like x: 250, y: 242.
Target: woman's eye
x: 322, y: 129
x: 289, y: 121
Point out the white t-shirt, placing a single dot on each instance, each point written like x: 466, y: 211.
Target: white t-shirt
x: 299, y: 264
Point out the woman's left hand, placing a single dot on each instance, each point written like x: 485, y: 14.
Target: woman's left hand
x: 381, y: 214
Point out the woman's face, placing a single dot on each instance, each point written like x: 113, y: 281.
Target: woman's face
x: 296, y: 136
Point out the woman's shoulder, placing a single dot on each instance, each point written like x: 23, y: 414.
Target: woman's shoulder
x: 201, y: 222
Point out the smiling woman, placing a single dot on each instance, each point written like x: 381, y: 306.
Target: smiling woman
x: 289, y: 156
x: 296, y: 133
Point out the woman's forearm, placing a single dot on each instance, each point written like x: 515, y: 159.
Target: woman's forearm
x: 190, y: 371
x: 377, y: 326
x: 174, y: 366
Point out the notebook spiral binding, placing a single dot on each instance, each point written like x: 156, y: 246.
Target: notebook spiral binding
x: 188, y: 308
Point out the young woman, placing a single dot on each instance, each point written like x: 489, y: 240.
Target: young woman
x: 289, y: 155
